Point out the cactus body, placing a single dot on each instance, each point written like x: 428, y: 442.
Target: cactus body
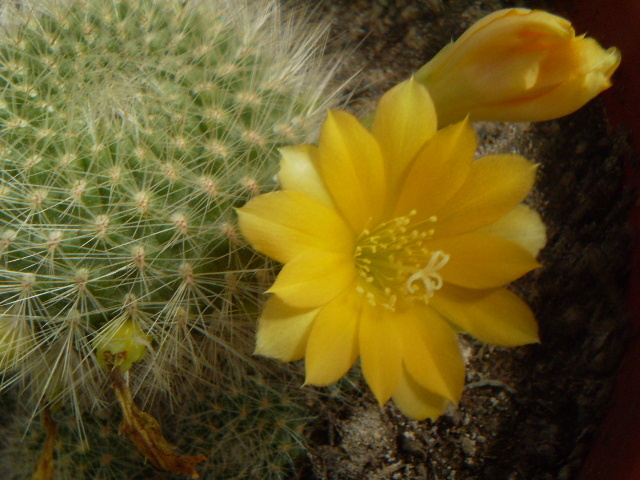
x: 248, y: 433
x: 129, y: 130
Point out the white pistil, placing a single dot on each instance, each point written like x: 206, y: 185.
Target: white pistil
x: 429, y: 275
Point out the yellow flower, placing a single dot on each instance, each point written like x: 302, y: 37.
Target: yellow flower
x: 517, y: 65
x: 393, y: 240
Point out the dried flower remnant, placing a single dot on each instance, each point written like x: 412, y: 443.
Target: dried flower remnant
x: 119, y: 346
x: 517, y: 65
x: 145, y: 432
x: 46, y: 466
x: 393, y: 240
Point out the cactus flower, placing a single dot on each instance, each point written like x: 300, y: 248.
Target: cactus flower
x: 517, y: 65
x: 394, y: 240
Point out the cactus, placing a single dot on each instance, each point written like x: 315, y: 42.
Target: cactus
x: 247, y: 433
x: 95, y: 453
x: 260, y: 421
x: 129, y: 130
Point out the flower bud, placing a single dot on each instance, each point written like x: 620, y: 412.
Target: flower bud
x: 517, y: 65
x: 120, y: 344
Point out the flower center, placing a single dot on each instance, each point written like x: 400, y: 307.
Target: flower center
x: 393, y: 262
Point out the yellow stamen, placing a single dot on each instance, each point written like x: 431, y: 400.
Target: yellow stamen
x: 392, y: 256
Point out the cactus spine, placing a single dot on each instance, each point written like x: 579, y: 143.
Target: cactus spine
x: 129, y: 130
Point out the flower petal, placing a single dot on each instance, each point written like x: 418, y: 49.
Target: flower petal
x: 286, y: 224
x: 380, y: 351
x: 298, y: 172
x: 417, y: 402
x: 439, y: 170
x: 404, y: 120
x: 494, y: 186
x: 522, y: 226
x: 498, y: 316
x: 590, y: 72
x: 352, y: 168
x: 313, y: 279
x: 332, y: 347
x: 283, y: 331
x: 479, y: 260
x: 430, y: 352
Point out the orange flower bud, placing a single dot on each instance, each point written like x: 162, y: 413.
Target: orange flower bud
x: 517, y: 65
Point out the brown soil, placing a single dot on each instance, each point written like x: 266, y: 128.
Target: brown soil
x: 529, y: 412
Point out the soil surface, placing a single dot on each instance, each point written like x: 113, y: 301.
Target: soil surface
x: 529, y: 412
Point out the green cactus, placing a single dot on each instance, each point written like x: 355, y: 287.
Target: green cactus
x: 259, y: 421
x: 251, y: 432
x: 95, y: 453
x: 129, y: 130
